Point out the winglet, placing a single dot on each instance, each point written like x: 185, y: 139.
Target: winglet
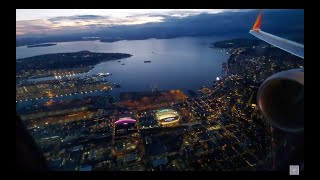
x: 257, y: 24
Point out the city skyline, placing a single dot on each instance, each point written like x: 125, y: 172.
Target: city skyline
x: 168, y: 90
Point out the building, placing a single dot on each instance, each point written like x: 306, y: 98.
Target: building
x: 85, y: 168
x: 159, y: 162
x: 125, y: 135
x: 167, y: 117
x: 124, y: 125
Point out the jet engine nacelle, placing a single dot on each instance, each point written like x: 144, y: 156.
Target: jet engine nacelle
x: 281, y: 100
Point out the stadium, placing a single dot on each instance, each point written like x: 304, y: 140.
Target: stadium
x: 167, y: 117
x: 124, y: 137
x: 125, y: 125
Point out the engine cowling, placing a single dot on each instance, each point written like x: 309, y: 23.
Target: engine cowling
x: 281, y: 100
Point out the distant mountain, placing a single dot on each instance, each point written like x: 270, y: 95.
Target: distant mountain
x: 285, y: 23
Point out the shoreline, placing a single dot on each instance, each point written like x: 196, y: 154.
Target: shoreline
x: 41, y: 45
x: 60, y: 64
x: 116, y: 40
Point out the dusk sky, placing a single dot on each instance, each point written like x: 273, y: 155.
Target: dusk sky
x: 47, y: 21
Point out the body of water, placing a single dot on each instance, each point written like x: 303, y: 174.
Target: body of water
x: 180, y: 63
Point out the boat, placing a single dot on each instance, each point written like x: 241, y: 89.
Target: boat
x: 147, y: 61
x: 104, y: 74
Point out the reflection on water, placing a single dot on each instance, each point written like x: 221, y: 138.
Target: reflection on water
x: 180, y: 63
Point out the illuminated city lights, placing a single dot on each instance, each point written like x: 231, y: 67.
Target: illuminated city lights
x: 167, y: 116
x: 125, y: 120
x: 215, y: 128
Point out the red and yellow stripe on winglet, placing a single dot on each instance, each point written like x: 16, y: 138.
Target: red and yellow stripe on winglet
x: 257, y: 24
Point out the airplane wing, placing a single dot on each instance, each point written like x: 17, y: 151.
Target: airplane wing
x: 284, y: 44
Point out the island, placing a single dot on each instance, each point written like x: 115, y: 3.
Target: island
x: 110, y: 40
x: 49, y: 64
x: 42, y: 45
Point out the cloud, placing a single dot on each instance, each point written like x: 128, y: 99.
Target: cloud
x: 80, y: 22
x: 78, y: 17
x: 34, y: 26
x: 114, y: 18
